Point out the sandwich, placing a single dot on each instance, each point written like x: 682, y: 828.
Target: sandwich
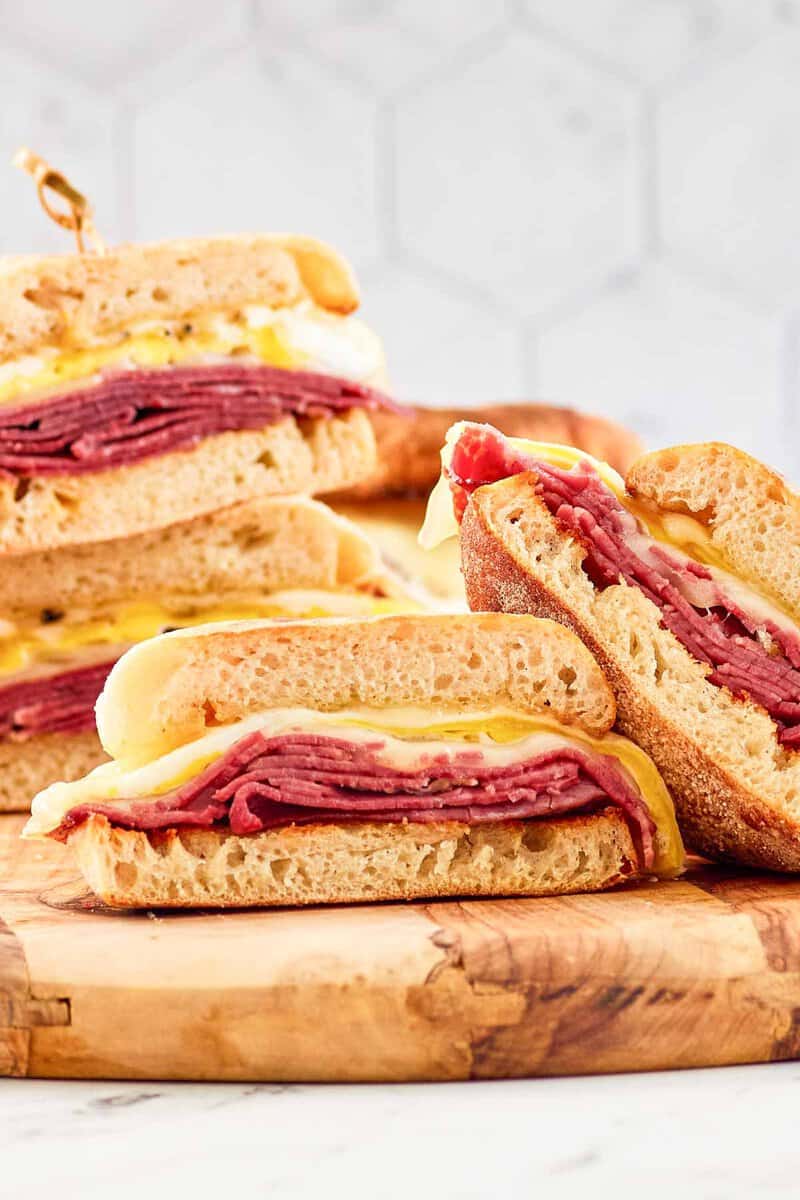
x: 155, y: 383
x: 337, y: 760
x: 67, y: 614
x: 390, y: 505
x: 683, y: 580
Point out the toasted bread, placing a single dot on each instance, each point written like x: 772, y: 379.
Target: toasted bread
x: 217, y: 675
x: 337, y: 864
x: 258, y: 546
x: 292, y: 456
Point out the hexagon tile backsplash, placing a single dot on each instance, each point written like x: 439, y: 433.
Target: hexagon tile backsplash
x: 593, y: 202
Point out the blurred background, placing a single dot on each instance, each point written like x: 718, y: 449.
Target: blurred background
x: 593, y: 202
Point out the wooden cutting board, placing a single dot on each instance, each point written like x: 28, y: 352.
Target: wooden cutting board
x: 700, y: 972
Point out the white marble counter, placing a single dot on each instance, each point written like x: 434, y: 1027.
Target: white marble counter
x: 718, y: 1135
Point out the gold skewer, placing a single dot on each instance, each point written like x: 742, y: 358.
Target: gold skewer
x: 79, y: 214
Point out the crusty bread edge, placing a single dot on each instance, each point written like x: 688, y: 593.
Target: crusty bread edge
x: 308, y: 455
x: 717, y: 815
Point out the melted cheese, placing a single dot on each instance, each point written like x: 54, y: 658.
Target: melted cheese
x: 29, y: 644
x: 303, y: 336
x: 504, y: 736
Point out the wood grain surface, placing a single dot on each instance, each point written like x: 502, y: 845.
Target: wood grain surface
x: 702, y: 971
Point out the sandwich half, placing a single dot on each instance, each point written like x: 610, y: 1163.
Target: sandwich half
x: 156, y: 383
x: 349, y: 760
x: 66, y: 615
x: 684, y: 581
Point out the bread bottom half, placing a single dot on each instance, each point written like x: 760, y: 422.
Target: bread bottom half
x: 309, y: 455
x: 335, y: 864
x: 27, y: 767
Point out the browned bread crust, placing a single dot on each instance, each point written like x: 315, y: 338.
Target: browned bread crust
x: 409, y: 442
x: 268, y: 544
x: 718, y: 814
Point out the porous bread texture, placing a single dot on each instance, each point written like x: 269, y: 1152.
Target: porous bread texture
x: 410, y: 442
x: 308, y: 455
x: 752, y: 517
x: 74, y: 298
x: 736, y: 790
x: 193, y: 681
x: 334, y: 864
x: 27, y: 767
x: 260, y: 545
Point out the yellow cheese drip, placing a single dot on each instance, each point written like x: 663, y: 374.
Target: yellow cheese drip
x: 405, y: 734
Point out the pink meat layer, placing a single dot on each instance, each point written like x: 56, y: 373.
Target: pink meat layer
x: 303, y: 779
x: 748, y: 655
x: 131, y: 415
x: 58, y: 704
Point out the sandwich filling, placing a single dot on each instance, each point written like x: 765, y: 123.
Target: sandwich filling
x: 130, y: 415
x: 749, y: 645
x: 158, y: 387
x: 297, y: 767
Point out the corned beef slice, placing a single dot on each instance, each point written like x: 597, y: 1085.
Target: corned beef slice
x: 131, y: 415
x: 296, y: 778
x: 747, y: 655
x: 54, y: 704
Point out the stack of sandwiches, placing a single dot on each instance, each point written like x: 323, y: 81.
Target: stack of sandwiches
x: 165, y: 413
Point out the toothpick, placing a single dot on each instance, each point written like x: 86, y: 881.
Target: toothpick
x: 79, y: 213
